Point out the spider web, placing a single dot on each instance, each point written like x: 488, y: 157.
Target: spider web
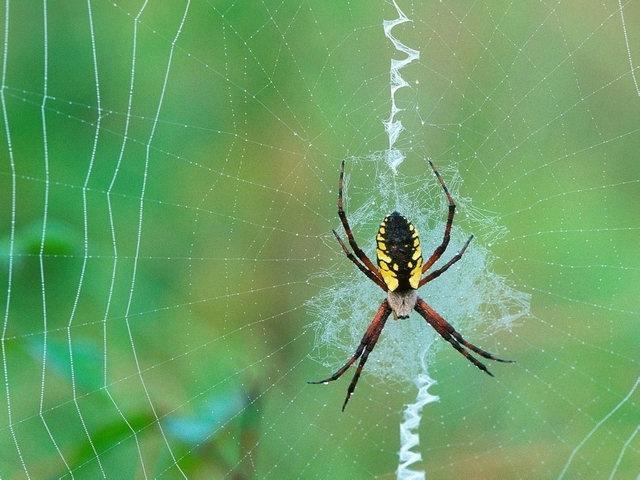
x: 171, y: 281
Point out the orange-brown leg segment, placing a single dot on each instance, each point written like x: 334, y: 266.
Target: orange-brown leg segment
x: 366, y: 346
x: 437, y: 253
x: 450, y: 334
x: 345, y: 224
x: 445, y: 267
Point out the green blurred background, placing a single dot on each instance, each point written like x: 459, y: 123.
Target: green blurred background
x: 200, y: 340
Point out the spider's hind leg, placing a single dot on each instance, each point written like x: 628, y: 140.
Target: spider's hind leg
x: 450, y: 334
x: 364, y: 349
x: 478, y: 350
x: 342, y: 369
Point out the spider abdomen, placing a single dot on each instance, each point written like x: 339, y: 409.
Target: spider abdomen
x: 398, y: 253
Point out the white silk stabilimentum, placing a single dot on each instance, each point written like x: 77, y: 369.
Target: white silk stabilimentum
x: 409, y: 435
x: 392, y: 126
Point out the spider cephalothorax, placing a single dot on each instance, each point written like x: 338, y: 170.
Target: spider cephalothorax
x: 400, y: 271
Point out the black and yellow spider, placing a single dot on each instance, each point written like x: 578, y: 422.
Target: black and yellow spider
x: 400, y: 275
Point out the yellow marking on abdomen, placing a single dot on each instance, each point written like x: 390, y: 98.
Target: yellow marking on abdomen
x: 383, y: 256
x: 390, y: 279
x: 416, y: 273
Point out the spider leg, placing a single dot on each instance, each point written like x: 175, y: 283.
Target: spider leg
x: 444, y: 333
x: 344, y: 368
x: 437, y: 253
x: 364, y: 349
x: 356, y: 376
x: 365, y: 355
x: 445, y: 267
x: 345, y: 224
x: 362, y: 268
x: 450, y: 334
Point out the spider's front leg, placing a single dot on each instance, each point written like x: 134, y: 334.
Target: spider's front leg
x: 347, y: 229
x: 364, y: 349
x: 437, y: 253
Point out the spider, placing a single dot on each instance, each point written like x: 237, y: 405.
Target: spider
x: 400, y: 274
